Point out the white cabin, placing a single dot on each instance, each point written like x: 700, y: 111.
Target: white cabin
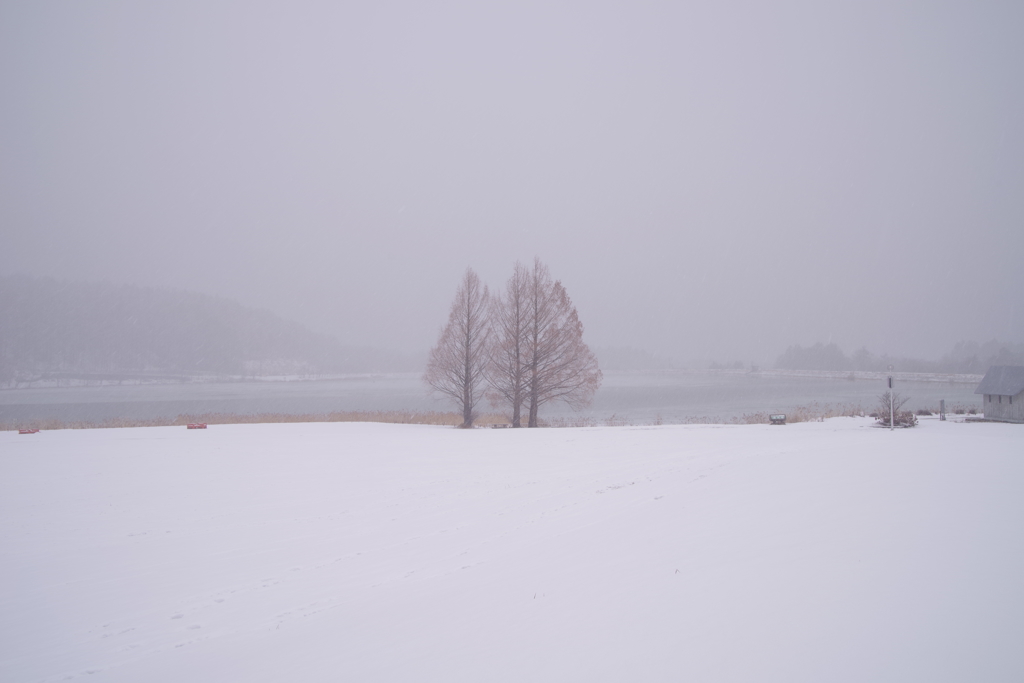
x: 1002, y: 390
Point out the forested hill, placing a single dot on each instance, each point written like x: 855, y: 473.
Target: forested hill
x: 53, y: 326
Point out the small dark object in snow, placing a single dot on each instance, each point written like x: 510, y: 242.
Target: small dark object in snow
x: 28, y: 431
x: 777, y: 419
x: 197, y: 425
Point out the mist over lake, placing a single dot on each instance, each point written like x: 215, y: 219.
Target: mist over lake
x: 638, y: 397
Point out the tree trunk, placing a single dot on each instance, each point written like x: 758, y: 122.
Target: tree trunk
x: 467, y: 395
x: 506, y: 368
x: 534, y: 404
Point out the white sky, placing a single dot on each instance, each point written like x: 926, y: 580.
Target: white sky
x: 708, y: 179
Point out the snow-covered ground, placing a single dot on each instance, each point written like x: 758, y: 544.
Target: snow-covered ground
x: 363, y: 552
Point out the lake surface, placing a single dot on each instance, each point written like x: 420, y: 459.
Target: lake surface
x: 643, y: 397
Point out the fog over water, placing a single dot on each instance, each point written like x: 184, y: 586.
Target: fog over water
x: 708, y: 179
x: 639, y: 398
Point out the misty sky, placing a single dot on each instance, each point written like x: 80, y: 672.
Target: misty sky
x: 708, y: 179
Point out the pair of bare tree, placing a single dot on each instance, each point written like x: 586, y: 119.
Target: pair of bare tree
x: 521, y: 348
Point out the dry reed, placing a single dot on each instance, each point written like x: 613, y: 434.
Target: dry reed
x: 382, y: 416
x: 811, y: 413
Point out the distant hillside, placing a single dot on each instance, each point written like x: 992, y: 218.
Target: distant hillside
x: 964, y: 358
x: 53, y: 326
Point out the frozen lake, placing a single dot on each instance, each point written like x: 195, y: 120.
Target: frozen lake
x: 671, y: 396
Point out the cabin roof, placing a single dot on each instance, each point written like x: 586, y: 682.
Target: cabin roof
x: 1002, y: 380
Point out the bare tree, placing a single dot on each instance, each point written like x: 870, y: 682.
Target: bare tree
x: 507, y: 368
x: 559, y: 364
x: 456, y: 365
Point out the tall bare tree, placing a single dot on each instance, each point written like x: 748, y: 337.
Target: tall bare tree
x: 457, y: 363
x: 560, y: 366
x: 507, y: 368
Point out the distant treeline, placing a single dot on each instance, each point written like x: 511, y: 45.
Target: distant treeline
x: 966, y: 357
x: 53, y: 326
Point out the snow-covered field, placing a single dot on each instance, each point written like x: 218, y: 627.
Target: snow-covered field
x: 364, y: 552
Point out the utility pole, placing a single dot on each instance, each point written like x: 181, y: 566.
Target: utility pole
x: 891, y: 425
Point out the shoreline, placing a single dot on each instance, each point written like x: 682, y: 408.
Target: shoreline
x: 811, y: 413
